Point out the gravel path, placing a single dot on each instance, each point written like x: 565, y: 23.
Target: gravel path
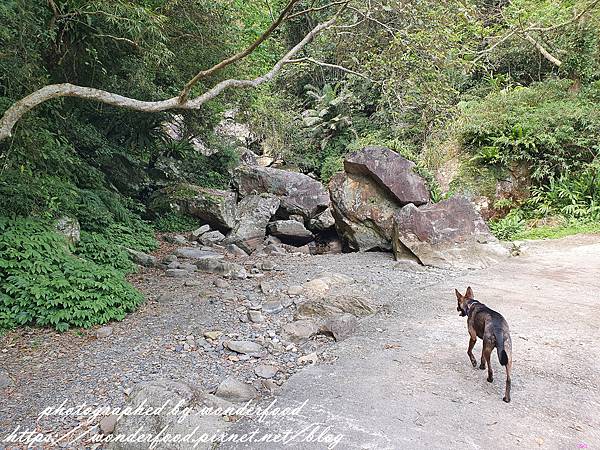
x: 411, y: 383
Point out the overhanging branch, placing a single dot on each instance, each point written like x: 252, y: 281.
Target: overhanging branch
x: 13, y: 114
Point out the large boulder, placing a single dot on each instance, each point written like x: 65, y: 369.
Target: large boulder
x: 290, y: 232
x: 176, y: 407
x: 363, y: 212
x: 299, y: 194
x: 212, y: 206
x: 391, y: 171
x: 447, y: 234
x: 254, y: 213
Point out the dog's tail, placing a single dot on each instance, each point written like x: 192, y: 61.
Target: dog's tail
x: 502, y: 355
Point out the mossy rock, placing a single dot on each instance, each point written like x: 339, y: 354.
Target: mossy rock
x: 212, y: 206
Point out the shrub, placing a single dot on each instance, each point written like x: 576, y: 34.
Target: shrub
x: 42, y: 283
x: 175, y: 223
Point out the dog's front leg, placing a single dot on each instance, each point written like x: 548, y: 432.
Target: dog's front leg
x: 482, y: 365
x: 472, y: 341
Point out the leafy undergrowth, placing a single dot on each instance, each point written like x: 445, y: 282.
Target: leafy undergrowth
x: 515, y: 228
x: 43, y: 282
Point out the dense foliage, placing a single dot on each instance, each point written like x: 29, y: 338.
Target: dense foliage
x: 43, y: 283
x: 435, y: 81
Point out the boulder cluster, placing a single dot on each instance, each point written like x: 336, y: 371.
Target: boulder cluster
x: 379, y: 202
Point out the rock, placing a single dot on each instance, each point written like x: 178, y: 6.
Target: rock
x: 221, y: 284
x: 267, y: 265
x: 247, y: 157
x: 245, y: 347
x: 299, y: 194
x: 177, y: 273
x: 141, y: 258
x: 297, y: 218
x: 311, y: 358
x: 107, y: 424
x: 274, y: 249
x: 187, y: 266
x: 213, y: 335
x: 215, y: 207
x: 235, y: 251
x: 446, y: 234
x: 103, y: 332
x: 295, y: 290
x: 5, y: 379
x: 304, y: 249
x: 265, y: 371
x: 162, y: 397
x: 272, y: 307
x: 300, y: 330
x: 390, y: 171
x: 363, y: 212
x: 200, y: 231
x: 267, y: 287
x: 69, y: 228
x: 340, y: 326
x: 323, y: 221
x: 316, y: 287
x: 290, y: 231
x: 333, y: 305
x: 224, y: 268
x: 255, y: 316
x: 211, y: 238
x: 235, y: 391
x: 178, y: 239
x: 197, y: 253
x: 254, y: 213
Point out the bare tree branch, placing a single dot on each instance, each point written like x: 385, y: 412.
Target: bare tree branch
x: 314, y: 9
x: 525, y: 33
x: 205, y: 73
x: 13, y: 114
x: 545, y: 53
x: 324, y: 64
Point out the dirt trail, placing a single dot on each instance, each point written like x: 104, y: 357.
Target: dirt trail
x: 405, y: 380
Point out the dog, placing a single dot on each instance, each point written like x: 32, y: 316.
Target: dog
x: 492, y: 328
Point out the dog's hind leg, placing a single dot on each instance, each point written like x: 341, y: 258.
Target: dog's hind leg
x: 470, y: 351
x: 507, y: 390
x: 488, y: 347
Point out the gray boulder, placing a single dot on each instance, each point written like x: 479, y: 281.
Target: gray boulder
x: 197, y: 253
x: 224, y: 268
x: 141, y: 258
x: 447, y: 234
x: 254, y: 213
x: 390, y: 171
x: 215, y: 207
x: 236, y: 391
x: 69, y: 228
x: 363, y: 212
x: 299, y: 194
x: 179, y: 410
x: 290, y: 231
x: 211, y: 238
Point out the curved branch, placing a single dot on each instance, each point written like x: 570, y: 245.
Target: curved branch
x: 13, y: 114
x: 205, y: 73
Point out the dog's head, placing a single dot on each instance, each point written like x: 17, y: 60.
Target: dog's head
x: 462, y: 300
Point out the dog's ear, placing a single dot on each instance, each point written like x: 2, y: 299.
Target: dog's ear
x: 458, y: 294
x: 469, y: 293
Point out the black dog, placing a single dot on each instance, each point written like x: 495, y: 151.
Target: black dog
x: 490, y: 326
